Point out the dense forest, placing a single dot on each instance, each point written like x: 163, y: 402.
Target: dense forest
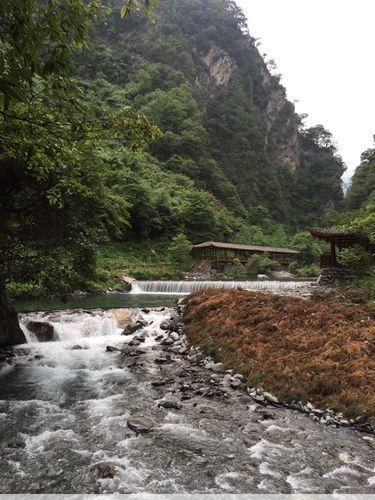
x: 119, y: 132
x: 232, y: 147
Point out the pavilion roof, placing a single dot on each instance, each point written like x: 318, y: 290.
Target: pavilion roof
x: 336, y: 236
x: 246, y: 248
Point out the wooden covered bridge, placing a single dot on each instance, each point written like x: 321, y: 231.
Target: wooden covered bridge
x: 215, y: 255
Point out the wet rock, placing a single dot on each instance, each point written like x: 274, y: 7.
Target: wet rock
x: 130, y: 329
x: 106, y: 471
x: 163, y: 361
x: 146, y: 310
x: 127, y: 282
x: 173, y: 324
x: 140, y: 425
x: 43, y: 330
x: 16, y: 442
x: 123, y: 317
x: 134, y: 343
x: 111, y: 348
x: 78, y: 347
x: 6, y: 355
x: 167, y: 341
x: 175, y: 336
x: 161, y: 383
x: 361, y: 419
x: 170, y: 404
x: 344, y: 422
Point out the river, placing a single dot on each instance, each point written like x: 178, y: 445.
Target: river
x: 75, y: 418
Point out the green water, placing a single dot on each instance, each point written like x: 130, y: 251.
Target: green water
x: 103, y: 301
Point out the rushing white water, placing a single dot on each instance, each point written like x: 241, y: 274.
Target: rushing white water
x: 65, y: 408
x: 186, y: 287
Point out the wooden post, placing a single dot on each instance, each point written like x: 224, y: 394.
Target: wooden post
x: 333, y: 252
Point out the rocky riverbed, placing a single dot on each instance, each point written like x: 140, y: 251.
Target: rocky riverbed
x: 95, y: 411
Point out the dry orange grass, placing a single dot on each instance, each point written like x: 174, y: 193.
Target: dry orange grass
x: 323, y: 352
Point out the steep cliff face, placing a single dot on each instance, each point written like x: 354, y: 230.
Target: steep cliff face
x: 241, y: 135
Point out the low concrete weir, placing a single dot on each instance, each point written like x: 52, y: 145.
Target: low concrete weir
x: 186, y: 287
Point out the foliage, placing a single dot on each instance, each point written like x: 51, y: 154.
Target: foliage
x: 308, y: 247
x: 260, y: 264
x: 311, y: 271
x: 362, y: 188
x: 161, y: 69
x: 355, y: 257
x: 55, y: 206
x: 179, y: 250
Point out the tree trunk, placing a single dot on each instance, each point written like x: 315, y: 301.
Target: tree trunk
x: 10, y: 331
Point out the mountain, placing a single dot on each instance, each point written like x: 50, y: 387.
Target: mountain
x: 362, y: 187
x: 230, y: 133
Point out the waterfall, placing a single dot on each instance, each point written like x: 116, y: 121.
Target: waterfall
x: 186, y: 287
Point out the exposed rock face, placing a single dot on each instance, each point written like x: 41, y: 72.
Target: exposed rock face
x: 220, y: 68
x: 10, y: 331
x: 43, y: 331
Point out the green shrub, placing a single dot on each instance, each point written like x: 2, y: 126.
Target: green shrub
x: 179, y: 251
x: 260, y: 264
x: 355, y: 257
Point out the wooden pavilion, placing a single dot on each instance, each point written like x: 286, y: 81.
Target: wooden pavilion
x: 216, y: 255
x: 337, y: 241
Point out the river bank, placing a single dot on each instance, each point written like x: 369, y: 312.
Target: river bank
x: 300, y: 350
x: 97, y: 412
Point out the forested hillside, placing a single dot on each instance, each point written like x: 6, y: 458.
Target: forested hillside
x: 233, y: 154
x: 362, y: 187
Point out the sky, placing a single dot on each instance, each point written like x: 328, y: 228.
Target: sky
x: 324, y: 50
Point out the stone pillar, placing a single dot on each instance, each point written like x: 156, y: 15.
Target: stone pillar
x: 334, y: 276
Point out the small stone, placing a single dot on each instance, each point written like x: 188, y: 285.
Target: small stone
x: 344, y: 422
x: 235, y: 383
x: 170, y: 404
x: 140, y: 426
x: 161, y: 383
x: 109, y: 348
x: 175, y: 336
x: 217, y: 367
x: 270, y: 398
x: 361, y: 419
x: 162, y: 361
x: 79, y: 347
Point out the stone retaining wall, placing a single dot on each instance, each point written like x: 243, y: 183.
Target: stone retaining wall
x: 334, y: 276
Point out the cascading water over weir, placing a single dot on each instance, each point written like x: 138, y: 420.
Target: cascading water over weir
x: 186, y: 287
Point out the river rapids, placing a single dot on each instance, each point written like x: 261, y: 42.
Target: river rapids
x: 75, y: 418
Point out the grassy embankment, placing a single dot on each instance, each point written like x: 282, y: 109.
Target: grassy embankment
x: 323, y: 352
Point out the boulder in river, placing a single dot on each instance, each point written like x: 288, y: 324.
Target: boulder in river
x: 130, y: 329
x: 127, y: 283
x: 10, y: 331
x: 123, y: 317
x: 140, y: 425
x: 43, y: 330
